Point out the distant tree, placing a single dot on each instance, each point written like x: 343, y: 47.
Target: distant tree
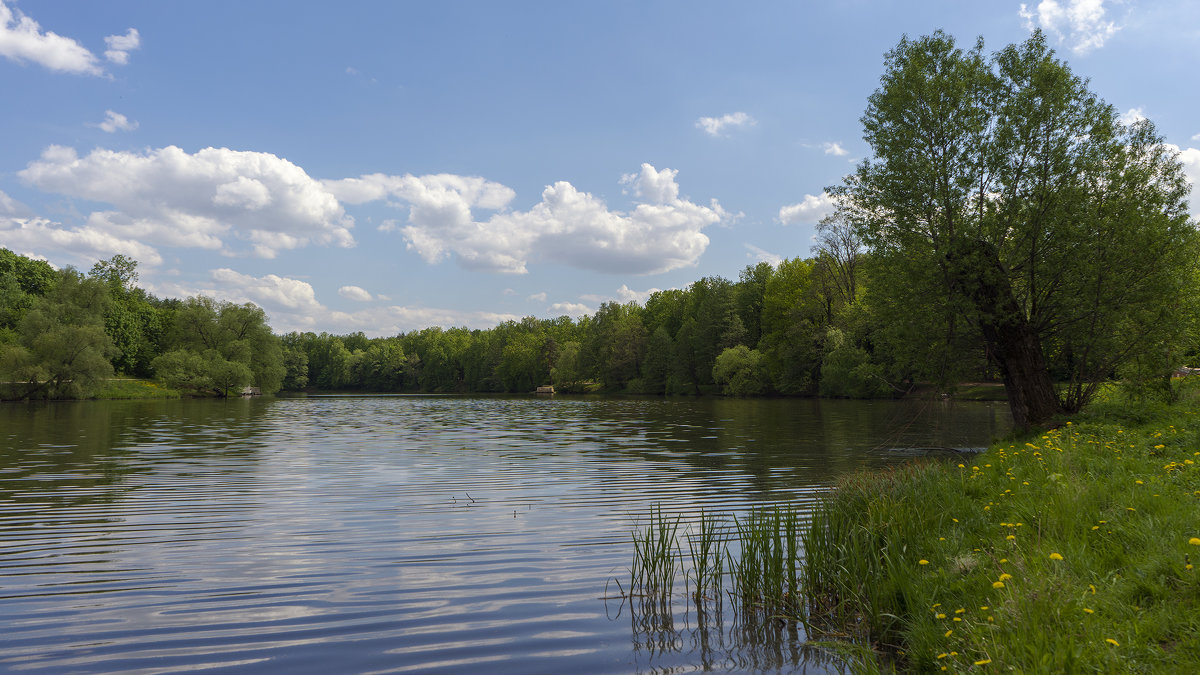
x: 741, y: 372
x: 61, y: 350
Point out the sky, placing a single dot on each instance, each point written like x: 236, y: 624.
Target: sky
x: 388, y: 166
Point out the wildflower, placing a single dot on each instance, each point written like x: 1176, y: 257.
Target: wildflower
x: 983, y: 662
x: 942, y: 655
x: 997, y: 584
x: 984, y: 608
x: 960, y: 610
x: 1005, y: 577
x: 1003, y: 560
x: 1095, y: 527
x: 1089, y: 610
x: 947, y: 634
x: 1057, y: 556
x: 941, y: 615
x: 922, y: 561
x: 1112, y: 642
x: 962, y: 466
x: 1194, y: 541
x: 1093, y: 588
x: 1010, y: 537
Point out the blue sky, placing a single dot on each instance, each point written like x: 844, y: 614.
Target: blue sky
x: 387, y: 166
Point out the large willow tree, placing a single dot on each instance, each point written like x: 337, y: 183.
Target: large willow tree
x: 1006, y: 192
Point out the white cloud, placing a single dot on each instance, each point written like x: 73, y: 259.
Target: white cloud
x: 1081, y: 24
x: 537, y: 297
x: 1196, y: 137
x: 115, y: 121
x: 809, y: 211
x: 713, y: 126
x: 22, y: 40
x: 1131, y: 116
x: 210, y: 199
x: 12, y: 207
x: 355, y: 293
x: 270, y: 290
x: 626, y: 295
x: 574, y: 309
x: 119, y: 46
x: 662, y: 232
x: 835, y: 149
x: 83, y: 246
x: 761, y: 255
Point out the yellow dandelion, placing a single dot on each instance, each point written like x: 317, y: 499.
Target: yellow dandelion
x: 1194, y: 541
x: 1010, y: 537
x: 1112, y: 642
x: 948, y: 633
x: 983, y: 662
x: 942, y: 655
x: 1056, y: 556
x: 922, y: 561
x: 1089, y: 610
x: 957, y: 619
x: 984, y: 608
x: 1095, y: 527
x: 1093, y: 589
x: 997, y: 584
x: 960, y: 610
x: 1005, y: 577
x: 941, y: 615
x: 1003, y: 560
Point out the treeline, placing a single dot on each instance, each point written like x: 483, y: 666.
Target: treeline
x: 804, y: 327
x: 64, y: 333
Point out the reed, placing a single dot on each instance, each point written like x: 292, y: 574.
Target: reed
x: 656, y: 557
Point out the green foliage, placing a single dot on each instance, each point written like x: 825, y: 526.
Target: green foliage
x: 741, y: 372
x: 61, y: 350
x: 847, y: 371
x: 1008, y: 205
x: 235, y: 343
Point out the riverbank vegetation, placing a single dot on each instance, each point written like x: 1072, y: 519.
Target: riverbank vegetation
x: 1073, y: 549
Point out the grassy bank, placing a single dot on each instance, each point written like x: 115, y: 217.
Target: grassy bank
x: 131, y: 388
x: 1067, y: 551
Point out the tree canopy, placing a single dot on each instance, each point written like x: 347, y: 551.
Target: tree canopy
x: 1012, y: 200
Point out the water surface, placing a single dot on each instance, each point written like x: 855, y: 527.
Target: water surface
x: 400, y: 533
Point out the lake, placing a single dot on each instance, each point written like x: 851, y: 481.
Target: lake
x: 380, y: 534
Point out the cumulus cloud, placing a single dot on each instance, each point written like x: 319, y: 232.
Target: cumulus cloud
x: 355, y: 293
x: 114, y: 122
x: 270, y: 290
x: 119, y: 46
x: 626, y: 294
x: 12, y: 207
x: 662, y: 232
x: 537, y: 297
x: 1196, y: 137
x: 809, y: 211
x: 761, y: 255
x: 22, y: 40
x: 835, y: 149
x: 571, y: 309
x: 1080, y: 24
x: 713, y: 126
x: 1132, y: 116
x: 211, y: 199
x: 83, y: 245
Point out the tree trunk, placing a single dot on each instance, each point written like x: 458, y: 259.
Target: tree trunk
x: 976, y: 270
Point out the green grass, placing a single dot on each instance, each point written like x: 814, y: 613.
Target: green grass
x: 134, y: 389
x: 1066, y: 551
